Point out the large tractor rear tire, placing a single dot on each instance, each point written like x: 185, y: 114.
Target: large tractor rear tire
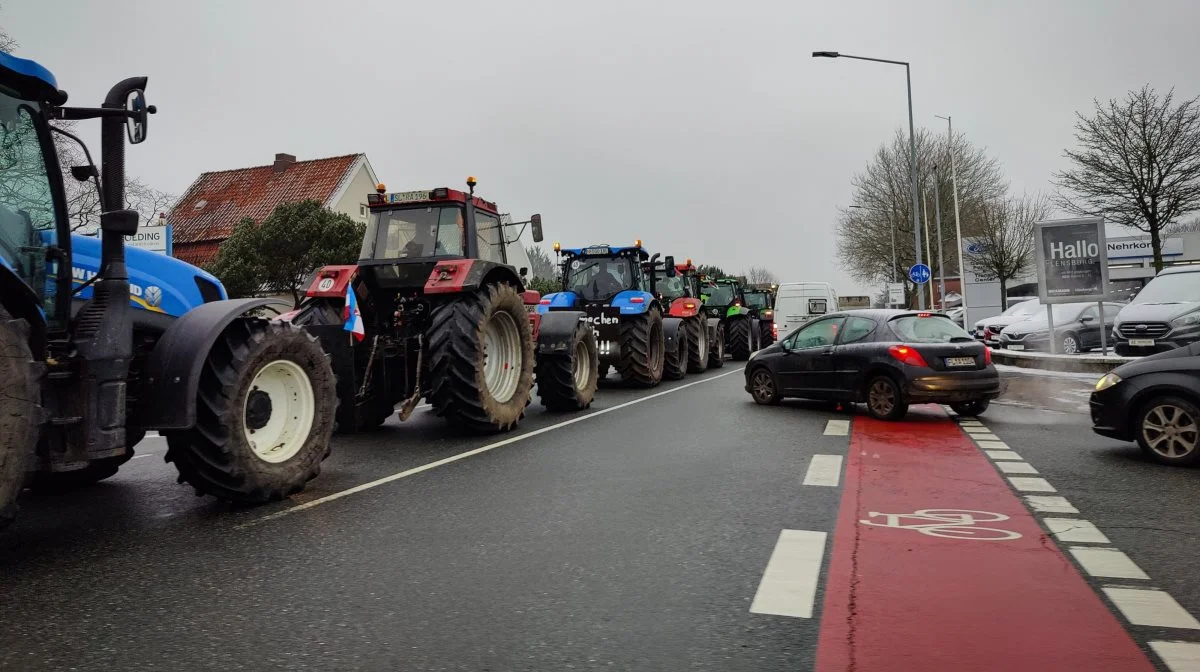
x: 697, y: 331
x: 766, y: 333
x: 568, y: 382
x: 20, y: 410
x: 675, y: 363
x: 716, y: 351
x: 481, y: 360
x: 740, y: 341
x: 642, y: 349
x: 264, y: 415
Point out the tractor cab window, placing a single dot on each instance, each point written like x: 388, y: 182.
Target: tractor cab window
x: 431, y: 231
x: 601, y: 278
x: 671, y: 288
x: 756, y: 300
x: 27, y: 213
x: 491, y: 239
x: 718, y: 295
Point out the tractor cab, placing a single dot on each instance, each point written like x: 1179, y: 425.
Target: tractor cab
x: 722, y: 297
x: 725, y: 300
x: 596, y: 275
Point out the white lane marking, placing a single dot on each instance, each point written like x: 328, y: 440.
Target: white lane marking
x: 982, y: 436
x: 824, y: 470
x: 789, y: 583
x: 1150, y: 607
x: 993, y: 445
x: 1016, y: 467
x: 970, y: 423
x: 1002, y: 455
x: 1107, y: 562
x: 1050, y: 504
x: 1031, y: 484
x: 837, y: 428
x: 1178, y: 656
x: 470, y: 453
x: 1075, y: 531
x: 138, y: 457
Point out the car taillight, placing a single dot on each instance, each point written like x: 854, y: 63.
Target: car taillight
x: 775, y: 331
x: 907, y: 355
x: 987, y: 355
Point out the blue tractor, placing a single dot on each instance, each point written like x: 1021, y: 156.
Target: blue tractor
x: 103, y: 344
x: 614, y: 287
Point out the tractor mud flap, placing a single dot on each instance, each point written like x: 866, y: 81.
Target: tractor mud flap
x: 556, y: 330
x: 336, y: 342
x: 671, y: 327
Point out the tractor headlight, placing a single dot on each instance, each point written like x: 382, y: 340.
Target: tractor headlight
x: 1107, y: 381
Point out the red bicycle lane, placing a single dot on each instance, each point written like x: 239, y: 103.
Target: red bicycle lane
x: 898, y: 598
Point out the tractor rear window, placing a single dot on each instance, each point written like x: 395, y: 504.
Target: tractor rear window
x: 756, y: 300
x: 671, y: 288
x: 600, y: 278
x: 718, y: 295
x: 932, y: 329
x: 415, y: 232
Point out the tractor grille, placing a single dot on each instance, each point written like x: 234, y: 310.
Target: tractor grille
x: 1144, y: 329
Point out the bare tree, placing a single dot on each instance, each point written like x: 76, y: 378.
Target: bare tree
x: 7, y: 43
x: 1005, y: 239
x: 758, y: 275
x: 1138, y: 163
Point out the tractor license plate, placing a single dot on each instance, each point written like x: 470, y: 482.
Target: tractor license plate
x: 1016, y: 347
x: 1142, y: 342
x: 595, y: 250
x: 960, y: 361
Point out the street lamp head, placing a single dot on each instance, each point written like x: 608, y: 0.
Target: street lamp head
x: 825, y: 54
x: 941, y: 117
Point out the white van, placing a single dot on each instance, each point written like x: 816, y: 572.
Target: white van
x: 799, y: 302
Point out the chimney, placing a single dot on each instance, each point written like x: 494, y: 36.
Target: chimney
x: 282, y: 161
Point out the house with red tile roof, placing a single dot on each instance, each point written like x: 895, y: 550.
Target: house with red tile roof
x: 210, y: 209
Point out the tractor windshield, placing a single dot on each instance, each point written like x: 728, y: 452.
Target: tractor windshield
x: 670, y: 288
x: 430, y: 231
x: 718, y: 295
x: 756, y: 300
x: 27, y: 213
x: 600, y: 278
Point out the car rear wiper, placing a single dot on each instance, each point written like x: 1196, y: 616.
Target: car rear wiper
x: 961, y: 339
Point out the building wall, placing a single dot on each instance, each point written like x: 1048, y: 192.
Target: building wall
x: 354, y: 201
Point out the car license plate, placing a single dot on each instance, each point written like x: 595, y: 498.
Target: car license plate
x: 1016, y: 347
x: 1142, y: 342
x: 960, y: 361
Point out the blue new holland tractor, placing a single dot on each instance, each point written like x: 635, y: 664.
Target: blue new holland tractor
x: 614, y: 287
x: 102, y: 344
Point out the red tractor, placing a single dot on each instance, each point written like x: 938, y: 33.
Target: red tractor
x: 703, y: 346
x: 445, y: 318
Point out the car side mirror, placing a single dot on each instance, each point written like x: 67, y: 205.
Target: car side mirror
x: 1087, y: 319
x: 535, y: 225
x: 124, y: 222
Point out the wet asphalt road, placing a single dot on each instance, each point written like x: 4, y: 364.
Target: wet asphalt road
x: 631, y: 540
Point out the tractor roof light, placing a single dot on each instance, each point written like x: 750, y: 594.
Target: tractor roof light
x: 557, y: 246
x: 381, y: 188
x: 637, y: 242
x: 471, y: 182
x: 688, y: 261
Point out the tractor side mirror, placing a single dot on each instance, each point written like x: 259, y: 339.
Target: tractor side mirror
x: 523, y: 272
x: 670, y: 264
x: 124, y: 222
x: 535, y: 224
x: 135, y: 123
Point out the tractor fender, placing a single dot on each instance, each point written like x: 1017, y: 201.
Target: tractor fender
x: 171, y: 379
x: 22, y: 303
x: 556, y: 330
x: 634, y: 302
x: 557, y: 300
x: 671, y: 327
x: 457, y: 276
x: 684, y: 306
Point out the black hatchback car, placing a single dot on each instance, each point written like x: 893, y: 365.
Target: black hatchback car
x: 1155, y: 401
x: 885, y: 358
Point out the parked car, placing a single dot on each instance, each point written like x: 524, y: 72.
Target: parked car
x: 1154, y: 401
x: 1076, y: 328
x: 886, y: 359
x: 1163, y: 316
x: 988, y: 329
x: 798, y: 302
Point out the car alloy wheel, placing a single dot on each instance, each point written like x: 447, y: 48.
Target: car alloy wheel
x: 762, y: 388
x: 1170, y: 432
x: 1070, y: 345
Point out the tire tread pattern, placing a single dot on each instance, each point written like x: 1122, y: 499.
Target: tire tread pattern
x: 556, y: 375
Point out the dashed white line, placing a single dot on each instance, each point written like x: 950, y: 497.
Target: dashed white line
x: 1107, y: 563
x: 1002, y: 455
x: 789, y: 584
x: 1178, y: 656
x: 1031, y: 484
x: 471, y: 453
x: 1075, y: 531
x: 1050, y: 504
x: 837, y: 428
x: 992, y: 445
x: 1016, y: 467
x: 824, y: 470
x: 1150, y: 607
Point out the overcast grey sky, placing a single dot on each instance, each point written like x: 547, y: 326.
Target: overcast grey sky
x: 704, y: 128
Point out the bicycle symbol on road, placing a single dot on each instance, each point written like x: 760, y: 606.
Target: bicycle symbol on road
x: 948, y: 523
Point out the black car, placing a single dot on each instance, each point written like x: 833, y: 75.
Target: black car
x: 885, y: 358
x: 1077, y: 328
x: 1156, y: 402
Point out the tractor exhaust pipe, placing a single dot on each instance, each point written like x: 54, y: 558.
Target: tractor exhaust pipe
x: 112, y: 169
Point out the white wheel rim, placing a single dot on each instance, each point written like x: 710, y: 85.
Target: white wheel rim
x: 583, y: 366
x: 703, y: 347
x: 502, y: 357
x: 1070, y: 346
x: 292, y: 410
x: 1170, y: 431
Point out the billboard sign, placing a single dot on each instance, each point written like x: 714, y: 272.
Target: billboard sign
x: 1072, y: 260
x: 153, y: 238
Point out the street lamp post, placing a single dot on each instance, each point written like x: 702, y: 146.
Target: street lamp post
x: 937, y: 218
x: 962, y: 278
x: 912, y: 150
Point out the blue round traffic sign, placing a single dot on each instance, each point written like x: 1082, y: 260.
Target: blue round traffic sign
x: 919, y: 274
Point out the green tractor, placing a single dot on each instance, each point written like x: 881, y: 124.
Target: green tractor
x: 760, y: 299
x: 725, y: 300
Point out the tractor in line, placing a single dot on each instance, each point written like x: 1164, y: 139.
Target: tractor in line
x: 725, y: 301
x: 103, y: 344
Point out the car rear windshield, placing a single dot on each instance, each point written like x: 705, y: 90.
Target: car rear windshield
x: 932, y: 329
